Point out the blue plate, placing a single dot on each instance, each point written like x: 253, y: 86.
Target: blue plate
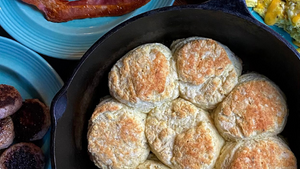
x: 67, y: 40
x: 32, y: 76
x: 280, y: 31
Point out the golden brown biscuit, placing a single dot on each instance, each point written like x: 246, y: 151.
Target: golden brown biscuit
x: 182, y: 135
x: 145, y: 77
x: 10, y: 100
x: 116, y: 136
x: 207, y: 70
x: 270, y: 152
x: 255, y: 108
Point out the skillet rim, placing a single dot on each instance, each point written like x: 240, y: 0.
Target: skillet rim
x: 61, y: 94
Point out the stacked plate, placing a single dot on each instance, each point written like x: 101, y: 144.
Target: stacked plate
x: 67, y: 40
x: 32, y: 76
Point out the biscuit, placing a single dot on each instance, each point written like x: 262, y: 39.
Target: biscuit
x: 116, y: 136
x: 207, y: 70
x: 152, y: 163
x: 270, y: 152
x: 255, y: 108
x: 182, y: 135
x: 10, y: 100
x: 145, y: 77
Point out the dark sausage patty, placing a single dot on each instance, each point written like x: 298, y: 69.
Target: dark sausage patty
x: 31, y: 121
x: 10, y: 100
x: 22, y: 156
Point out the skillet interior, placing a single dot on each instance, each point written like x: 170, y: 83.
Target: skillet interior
x: 253, y: 42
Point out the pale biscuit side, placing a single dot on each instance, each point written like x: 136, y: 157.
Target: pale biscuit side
x: 145, y: 77
x: 198, y: 147
x: 116, y: 137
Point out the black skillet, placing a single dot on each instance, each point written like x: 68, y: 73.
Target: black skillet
x: 227, y: 21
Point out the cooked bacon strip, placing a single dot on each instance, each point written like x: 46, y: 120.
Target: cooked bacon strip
x: 62, y: 10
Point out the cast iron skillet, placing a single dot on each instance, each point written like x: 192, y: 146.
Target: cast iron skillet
x: 227, y: 21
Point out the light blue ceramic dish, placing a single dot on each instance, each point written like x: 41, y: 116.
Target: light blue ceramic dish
x: 32, y: 76
x: 282, y: 32
x: 68, y: 40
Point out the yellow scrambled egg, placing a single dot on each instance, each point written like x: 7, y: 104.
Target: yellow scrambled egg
x: 282, y: 13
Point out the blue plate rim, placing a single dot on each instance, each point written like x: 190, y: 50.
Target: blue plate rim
x: 15, y: 29
x: 37, y: 56
x: 57, y: 80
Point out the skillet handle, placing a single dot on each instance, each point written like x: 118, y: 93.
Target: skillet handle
x: 59, y: 104
x: 237, y: 7
x: 57, y: 109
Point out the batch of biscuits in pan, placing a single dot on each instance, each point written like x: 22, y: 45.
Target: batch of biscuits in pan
x: 188, y: 107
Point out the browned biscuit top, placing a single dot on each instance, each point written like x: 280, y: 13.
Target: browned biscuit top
x: 257, y: 106
x: 105, y: 107
x: 144, y: 72
x: 127, y: 127
x: 201, y: 59
x: 116, y: 137
x: 190, y: 146
x: 264, y: 154
x: 144, y: 77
